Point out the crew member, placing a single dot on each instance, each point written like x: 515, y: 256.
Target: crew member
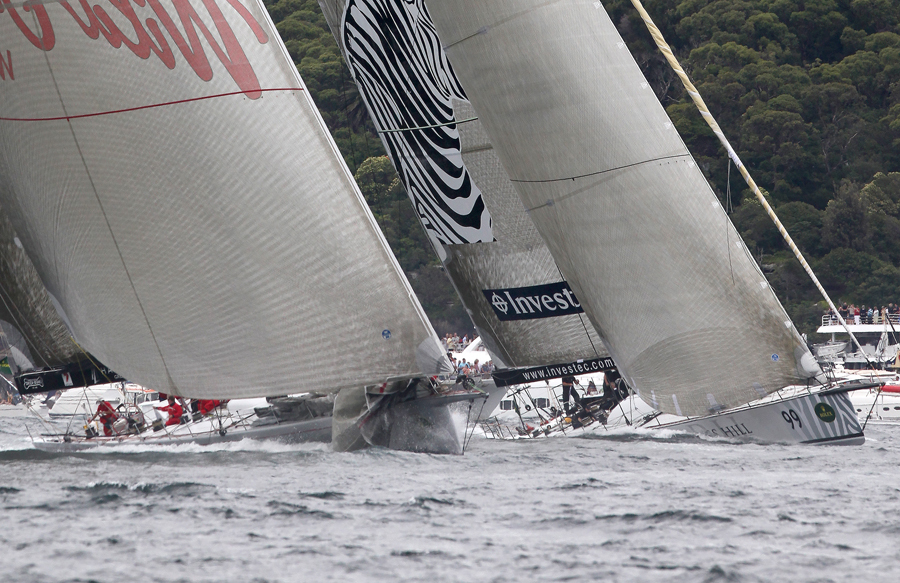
x: 207, y: 405
x: 108, y: 416
x: 174, y: 410
x: 568, y: 383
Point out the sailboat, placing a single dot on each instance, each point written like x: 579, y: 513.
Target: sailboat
x: 631, y: 223
x: 190, y: 218
x: 526, y: 314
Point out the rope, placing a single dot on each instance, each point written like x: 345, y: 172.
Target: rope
x: 872, y: 408
x: 729, y: 208
x: 714, y: 126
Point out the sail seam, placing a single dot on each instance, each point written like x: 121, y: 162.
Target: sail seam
x: 437, y: 125
x: 476, y: 149
x: 151, y: 106
x: 485, y: 29
x: 599, y: 172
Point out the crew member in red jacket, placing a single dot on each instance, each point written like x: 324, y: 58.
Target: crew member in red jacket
x: 207, y: 405
x: 174, y: 410
x: 108, y: 416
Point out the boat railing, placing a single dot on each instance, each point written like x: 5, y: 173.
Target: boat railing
x: 877, y: 318
x: 493, y: 429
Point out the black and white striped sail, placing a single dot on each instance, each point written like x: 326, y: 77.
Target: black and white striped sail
x: 406, y: 82
x: 186, y: 208
x: 634, y: 226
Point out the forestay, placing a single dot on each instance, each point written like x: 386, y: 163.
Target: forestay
x: 185, y: 206
x: 679, y: 302
x: 498, y: 262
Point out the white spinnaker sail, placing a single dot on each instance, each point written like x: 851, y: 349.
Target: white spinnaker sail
x: 186, y: 207
x: 405, y: 80
x: 659, y: 268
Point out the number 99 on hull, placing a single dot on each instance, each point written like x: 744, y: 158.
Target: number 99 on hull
x: 793, y: 415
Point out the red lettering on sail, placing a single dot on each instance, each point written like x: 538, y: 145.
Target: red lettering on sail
x: 261, y: 35
x: 47, y: 39
x: 7, y: 64
x: 232, y: 57
x: 92, y: 26
x: 99, y: 22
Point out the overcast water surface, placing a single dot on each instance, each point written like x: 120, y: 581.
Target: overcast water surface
x: 635, y: 506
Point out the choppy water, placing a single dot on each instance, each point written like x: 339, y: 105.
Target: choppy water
x: 626, y: 507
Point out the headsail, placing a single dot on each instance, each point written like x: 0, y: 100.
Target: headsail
x: 521, y: 305
x: 35, y: 335
x: 631, y: 221
x: 186, y: 208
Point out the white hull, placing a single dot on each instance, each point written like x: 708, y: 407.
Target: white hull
x: 309, y: 430
x: 876, y: 406
x: 793, y: 415
x: 238, y: 421
x: 818, y: 417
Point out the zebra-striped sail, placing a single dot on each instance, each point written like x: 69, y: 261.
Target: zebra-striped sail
x: 183, y: 202
x: 393, y: 54
x: 657, y: 265
x: 406, y: 82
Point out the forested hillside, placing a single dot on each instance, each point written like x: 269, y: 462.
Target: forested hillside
x: 808, y: 93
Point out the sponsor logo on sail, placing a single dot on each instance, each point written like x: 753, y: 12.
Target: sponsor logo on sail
x: 499, y: 304
x: 95, y: 21
x: 825, y: 412
x: 35, y: 383
x: 542, y: 373
x: 537, y: 301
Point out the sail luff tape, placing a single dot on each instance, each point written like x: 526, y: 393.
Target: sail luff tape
x: 666, y: 50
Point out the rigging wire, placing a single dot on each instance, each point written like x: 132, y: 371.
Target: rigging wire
x: 97, y: 366
x: 475, y: 423
x: 728, y: 210
x: 714, y: 126
x: 581, y: 317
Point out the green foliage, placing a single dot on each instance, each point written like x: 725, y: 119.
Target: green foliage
x: 808, y: 93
